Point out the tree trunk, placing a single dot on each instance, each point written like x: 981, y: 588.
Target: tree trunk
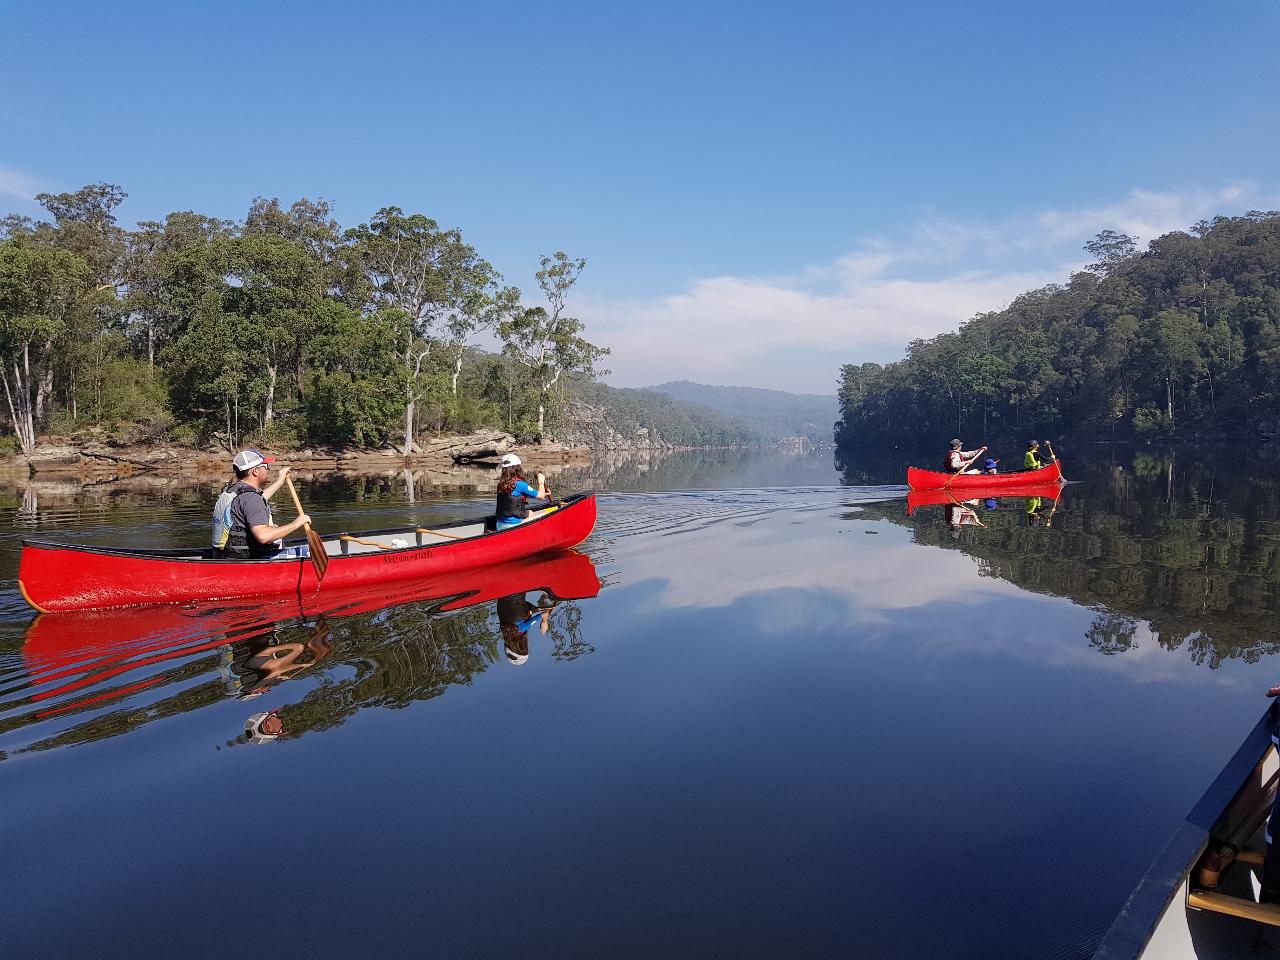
x: 44, y: 393
x: 151, y: 344
x: 408, y: 427
x: 269, y: 413
x: 1168, y: 397
x: 541, y: 416
x: 457, y: 370
x: 20, y: 409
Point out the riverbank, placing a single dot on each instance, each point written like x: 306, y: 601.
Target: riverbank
x: 61, y: 457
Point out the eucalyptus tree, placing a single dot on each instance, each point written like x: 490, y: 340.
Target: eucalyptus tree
x: 40, y: 288
x: 548, y: 342
x: 173, y: 267
x: 444, y: 291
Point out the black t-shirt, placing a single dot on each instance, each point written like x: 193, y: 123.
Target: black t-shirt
x: 249, y: 510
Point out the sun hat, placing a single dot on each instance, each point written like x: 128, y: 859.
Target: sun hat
x: 991, y: 464
x: 509, y: 460
x: 248, y: 459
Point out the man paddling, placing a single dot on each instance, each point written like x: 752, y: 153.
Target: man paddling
x: 959, y: 461
x: 242, y: 525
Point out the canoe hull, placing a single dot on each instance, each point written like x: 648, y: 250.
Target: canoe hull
x: 55, y: 577
x: 926, y: 498
x: 918, y: 479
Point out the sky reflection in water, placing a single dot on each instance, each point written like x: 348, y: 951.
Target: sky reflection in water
x: 791, y: 720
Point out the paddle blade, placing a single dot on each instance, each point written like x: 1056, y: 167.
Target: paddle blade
x: 319, y: 558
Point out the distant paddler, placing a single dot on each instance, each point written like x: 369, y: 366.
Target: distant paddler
x: 242, y: 524
x: 958, y: 460
x: 1031, y: 459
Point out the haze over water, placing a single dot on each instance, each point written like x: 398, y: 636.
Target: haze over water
x: 791, y: 721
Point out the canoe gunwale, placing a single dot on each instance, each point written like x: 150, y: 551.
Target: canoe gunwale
x: 1136, y: 923
x: 198, y: 554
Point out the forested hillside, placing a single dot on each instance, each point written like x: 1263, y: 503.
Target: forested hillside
x: 667, y: 419
x: 773, y: 414
x: 1182, y: 340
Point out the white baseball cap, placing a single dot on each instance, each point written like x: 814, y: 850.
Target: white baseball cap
x: 248, y: 459
x: 509, y: 460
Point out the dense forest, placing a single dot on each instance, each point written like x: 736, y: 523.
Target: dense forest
x: 282, y: 329
x: 1179, y: 341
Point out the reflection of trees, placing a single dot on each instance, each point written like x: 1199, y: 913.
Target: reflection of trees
x: 391, y: 659
x: 566, y: 634
x: 1187, y: 546
x: 1112, y: 633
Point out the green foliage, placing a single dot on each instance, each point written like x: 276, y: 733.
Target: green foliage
x: 281, y: 327
x: 1182, y: 340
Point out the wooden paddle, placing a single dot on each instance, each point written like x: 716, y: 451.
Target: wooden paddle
x: 315, y: 546
x: 1049, y: 444
x: 963, y: 467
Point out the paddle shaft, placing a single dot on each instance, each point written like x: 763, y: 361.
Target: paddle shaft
x: 288, y: 481
x: 1049, y: 444
x: 315, y: 546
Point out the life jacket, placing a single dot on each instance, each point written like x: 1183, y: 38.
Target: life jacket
x: 509, y: 505
x: 231, y: 538
x: 948, y: 466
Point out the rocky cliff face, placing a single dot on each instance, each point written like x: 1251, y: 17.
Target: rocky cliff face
x: 586, y: 425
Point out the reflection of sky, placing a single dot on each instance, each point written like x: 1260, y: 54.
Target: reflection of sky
x: 827, y: 570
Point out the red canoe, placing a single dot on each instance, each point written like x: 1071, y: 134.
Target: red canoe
x: 56, y: 576
x: 66, y: 652
x: 918, y: 479
x: 926, y: 498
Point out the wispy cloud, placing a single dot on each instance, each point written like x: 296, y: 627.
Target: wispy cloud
x: 792, y: 332
x: 15, y: 184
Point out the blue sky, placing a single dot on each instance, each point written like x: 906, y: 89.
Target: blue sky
x: 762, y: 191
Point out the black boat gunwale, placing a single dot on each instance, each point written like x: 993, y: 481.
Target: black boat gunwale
x: 1136, y: 923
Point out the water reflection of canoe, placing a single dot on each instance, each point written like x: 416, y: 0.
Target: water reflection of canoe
x: 928, y: 498
x: 1197, y: 899
x: 67, y: 651
x: 55, y: 576
x: 918, y: 479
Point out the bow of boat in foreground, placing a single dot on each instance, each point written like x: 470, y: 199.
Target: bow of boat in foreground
x: 57, y: 576
x: 1199, y: 899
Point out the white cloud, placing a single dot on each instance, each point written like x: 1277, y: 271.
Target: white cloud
x: 1146, y: 214
x: 792, y: 332
x: 733, y: 329
x: 15, y: 184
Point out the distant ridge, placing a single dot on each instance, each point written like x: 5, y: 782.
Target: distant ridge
x: 772, y: 414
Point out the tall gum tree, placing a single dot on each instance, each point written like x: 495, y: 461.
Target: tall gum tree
x: 443, y: 290
x: 547, y: 342
x: 40, y: 287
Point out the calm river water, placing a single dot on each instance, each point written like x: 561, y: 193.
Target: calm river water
x: 771, y: 714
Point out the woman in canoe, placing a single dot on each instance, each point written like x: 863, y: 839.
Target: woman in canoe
x: 514, y: 493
